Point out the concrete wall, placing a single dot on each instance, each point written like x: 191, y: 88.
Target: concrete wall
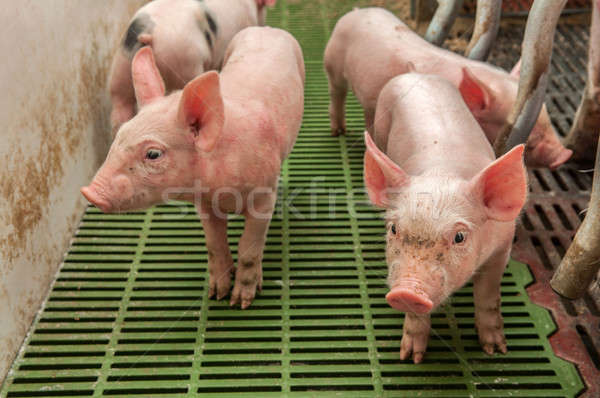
x: 54, y: 113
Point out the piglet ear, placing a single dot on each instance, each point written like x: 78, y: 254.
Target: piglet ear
x: 516, y: 70
x: 502, y: 186
x: 382, y: 175
x: 147, y: 82
x: 475, y: 93
x: 201, y: 110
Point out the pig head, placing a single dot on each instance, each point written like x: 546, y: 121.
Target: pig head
x: 163, y: 146
x: 438, y: 227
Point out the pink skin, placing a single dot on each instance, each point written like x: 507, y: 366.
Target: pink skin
x: 394, y: 49
x: 180, y: 47
x: 451, y: 207
x: 219, y: 142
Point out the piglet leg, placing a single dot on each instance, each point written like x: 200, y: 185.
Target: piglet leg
x: 370, y: 121
x: 220, y: 262
x: 486, y: 290
x: 248, y: 276
x: 338, y: 89
x: 415, y: 336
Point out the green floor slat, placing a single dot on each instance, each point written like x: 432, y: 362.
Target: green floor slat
x: 129, y: 315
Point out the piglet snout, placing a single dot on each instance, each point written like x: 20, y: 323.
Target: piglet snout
x: 114, y: 199
x: 94, y: 198
x: 547, y: 155
x: 407, y: 298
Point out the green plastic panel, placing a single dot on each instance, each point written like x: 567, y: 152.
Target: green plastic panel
x: 129, y: 315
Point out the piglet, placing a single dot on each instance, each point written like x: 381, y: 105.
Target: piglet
x: 451, y: 207
x: 370, y: 46
x: 219, y: 142
x: 188, y: 37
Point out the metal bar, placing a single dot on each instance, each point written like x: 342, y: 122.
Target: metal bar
x: 582, y: 260
x: 442, y: 21
x: 535, y: 68
x: 487, y: 23
x: 583, y: 137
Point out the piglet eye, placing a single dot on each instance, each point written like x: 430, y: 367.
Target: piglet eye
x: 393, y: 229
x: 153, y: 154
x: 459, y: 238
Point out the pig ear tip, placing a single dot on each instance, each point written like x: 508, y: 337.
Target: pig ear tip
x: 212, y: 74
x: 521, y: 149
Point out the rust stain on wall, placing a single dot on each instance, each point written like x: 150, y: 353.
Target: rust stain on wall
x: 27, y: 183
x: 64, y: 122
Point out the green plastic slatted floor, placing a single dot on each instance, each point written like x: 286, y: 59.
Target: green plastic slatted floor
x: 129, y: 314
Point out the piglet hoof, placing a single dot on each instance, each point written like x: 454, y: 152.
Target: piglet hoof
x: 242, y: 296
x: 244, y: 289
x: 219, y: 284
x: 489, y: 328
x: 413, y: 345
x: 338, y: 131
x: 492, y: 341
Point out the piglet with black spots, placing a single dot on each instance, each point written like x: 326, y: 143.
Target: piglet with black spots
x: 451, y: 207
x: 219, y: 143
x: 188, y: 37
